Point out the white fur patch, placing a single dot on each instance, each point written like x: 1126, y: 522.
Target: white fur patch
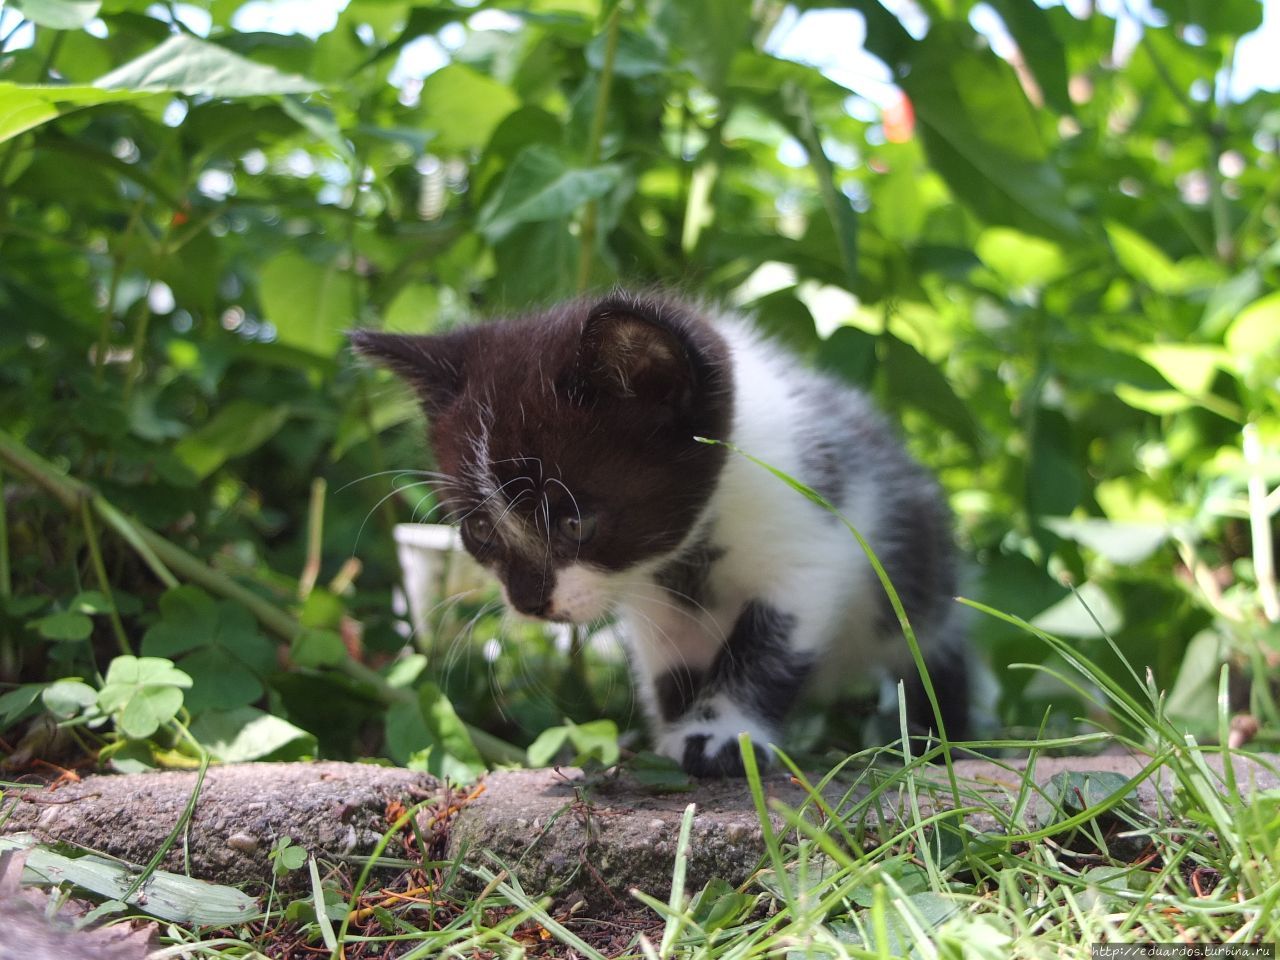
x: 581, y: 594
x: 721, y: 730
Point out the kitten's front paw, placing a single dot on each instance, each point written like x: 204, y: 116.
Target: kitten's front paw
x: 706, y: 743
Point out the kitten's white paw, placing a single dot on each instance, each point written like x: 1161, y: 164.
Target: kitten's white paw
x: 705, y: 741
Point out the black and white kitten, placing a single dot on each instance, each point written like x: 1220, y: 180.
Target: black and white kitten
x: 568, y: 440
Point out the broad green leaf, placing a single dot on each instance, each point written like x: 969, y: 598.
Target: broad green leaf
x: 1121, y: 543
x: 1255, y: 334
x: 1075, y: 791
x: 983, y: 136
x: 546, y: 745
x: 168, y: 896
x: 141, y: 693
x: 317, y: 648
x: 185, y: 64
x: 69, y: 698
x: 1194, y: 697
x: 463, y: 107
x: 914, y: 380
x: 58, y: 14
x: 220, y: 680
x: 851, y: 353
x: 17, y: 702
x: 1021, y: 259
x: 450, y: 733
x: 24, y: 107
x: 238, y: 428
x: 1188, y: 366
x: 310, y: 304
x: 67, y: 625
x: 707, y: 32
x: 1144, y: 261
x: 1233, y: 18
x: 1074, y: 615
x: 1041, y: 48
x: 541, y: 185
x: 925, y: 909
x: 244, y: 734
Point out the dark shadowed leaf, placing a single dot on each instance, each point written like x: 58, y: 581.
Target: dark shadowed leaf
x: 983, y: 136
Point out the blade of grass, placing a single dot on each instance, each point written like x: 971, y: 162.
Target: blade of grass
x: 672, y: 927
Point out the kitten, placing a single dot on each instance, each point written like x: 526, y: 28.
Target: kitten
x: 568, y: 440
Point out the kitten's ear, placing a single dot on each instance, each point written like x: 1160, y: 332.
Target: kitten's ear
x: 630, y: 354
x: 432, y: 365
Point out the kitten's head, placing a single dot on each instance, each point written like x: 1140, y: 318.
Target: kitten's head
x: 568, y: 439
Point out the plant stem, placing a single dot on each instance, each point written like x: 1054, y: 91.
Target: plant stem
x: 100, y: 571
x: 6, y: 578
x: 161, y: 553
x: 315, y: 539
x: 587, y: 235
x: 1264, y: 569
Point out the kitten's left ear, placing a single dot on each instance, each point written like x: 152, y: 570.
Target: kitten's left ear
x: 433, y: 365
x: 632, y: 355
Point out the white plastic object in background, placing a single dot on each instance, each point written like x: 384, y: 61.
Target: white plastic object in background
x: 436, y: 569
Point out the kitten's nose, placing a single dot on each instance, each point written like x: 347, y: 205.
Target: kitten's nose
x: 538, y: 608
x: 529, y: 591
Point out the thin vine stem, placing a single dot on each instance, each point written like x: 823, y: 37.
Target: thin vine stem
x: 100, y: 572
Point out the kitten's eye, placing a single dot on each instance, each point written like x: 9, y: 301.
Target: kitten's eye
x: 478, y: 528
x: 575, y: 527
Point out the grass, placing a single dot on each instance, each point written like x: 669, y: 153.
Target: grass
x: 890, y: 855
x: 1013, y: 871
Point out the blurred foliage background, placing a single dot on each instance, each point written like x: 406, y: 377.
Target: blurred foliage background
x: 1048, y: 246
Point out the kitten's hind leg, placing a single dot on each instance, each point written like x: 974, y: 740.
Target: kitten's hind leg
x: 753, y: 682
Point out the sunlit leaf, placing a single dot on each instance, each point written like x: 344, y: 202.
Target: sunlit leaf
x: 185, y: 64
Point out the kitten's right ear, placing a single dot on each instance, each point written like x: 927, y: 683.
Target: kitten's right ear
x: 432, y: 365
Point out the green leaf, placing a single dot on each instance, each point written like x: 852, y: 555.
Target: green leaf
x: 541, y: 185
x: 1254, y: 337
x: 1075, y: 614
x: 463, y: 107
x: 317, y: 648
x: 913, y: 379
x: 1144, y: 261
x: 69, y: 698
x: 185, y: 64
x: 220, y: 681
x: 67, y: 625
x: 310, y: 304
x: 1072, y: 792
x: 16, y: 703
x: 1194, y: 697
x: 1021, y: 259
x: 983, y: 136
x: 23, y: 107
x: 141, y: 693
x: 168, y: 896
x: 851, y: 353
x: 238, y: 428
x: 58, y: 14
x: 707, y: 32
x: 246, y: 733
x: 449, y: 732
x: 1121, y: 543
x: 546, y: 745
x: 1041, y: 48
x: 90, y: 601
